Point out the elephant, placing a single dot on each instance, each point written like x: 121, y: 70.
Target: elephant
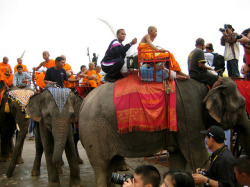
x: 197, y: 109
x: 8, y: 126
x: 55, y: 135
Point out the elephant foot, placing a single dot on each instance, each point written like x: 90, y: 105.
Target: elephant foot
x: 75, y: 182
x: 54, y: 184
x: 35, y: 172
x: 80, y: 161
x: 20, y: 160
x: 59, y: 170
x: 5, y: 159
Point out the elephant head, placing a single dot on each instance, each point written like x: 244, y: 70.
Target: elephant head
x: 227, y: 106
x: 42, y: 108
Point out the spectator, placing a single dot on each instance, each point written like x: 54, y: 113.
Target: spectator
x: 232, y: 50
x: 21, y: 78
x: 242, y: 170
x: 145, y: 175
x: 197, y: 67
x: 246, y: 66
x: 178, y: 178
x: 220, y: 171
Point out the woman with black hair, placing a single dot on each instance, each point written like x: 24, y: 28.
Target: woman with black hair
x: 177, y: 178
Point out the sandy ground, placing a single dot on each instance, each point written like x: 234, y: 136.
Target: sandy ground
x: 21, y: 176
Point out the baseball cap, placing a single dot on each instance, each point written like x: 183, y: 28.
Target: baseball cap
x: 216, y: 132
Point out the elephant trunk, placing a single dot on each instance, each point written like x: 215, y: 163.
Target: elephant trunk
x: 244, y: 128
x: 60, y: 133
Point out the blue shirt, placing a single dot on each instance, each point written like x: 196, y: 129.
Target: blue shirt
x: 18, y: 79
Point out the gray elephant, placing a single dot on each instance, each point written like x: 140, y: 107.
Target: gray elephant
x: 8, y: 123
x: 197, y: 109
x: 56, y: 134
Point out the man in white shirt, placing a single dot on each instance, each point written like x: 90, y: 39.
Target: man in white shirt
x: 21, y: 78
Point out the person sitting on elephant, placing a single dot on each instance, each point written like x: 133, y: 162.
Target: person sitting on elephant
x: 145, y: 175
x: 20, y: 62
x: 21, y: 78
x: 114, y: 57
x: 198, y: 69
x: 57, y: 74
x: 90, y: 74
x: 98, y: 75
x: 147, y: 45
x: 6, y: 76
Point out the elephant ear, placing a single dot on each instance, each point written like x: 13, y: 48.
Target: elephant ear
x: 33, y: 107
x: 214, y: 102
x: 77, y: 104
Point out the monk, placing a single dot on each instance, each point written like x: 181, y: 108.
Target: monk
x: 83, y: 77
x: 147, y: 45
x: 20, y: 62
x: 48, y: 63
x: 69, y: 73
x: 91, y: 73
x: 98, y: 75
x: 6, y: 75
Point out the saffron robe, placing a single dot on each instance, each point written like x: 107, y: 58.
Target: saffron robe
x: 24, y: 68
x: 3, y: 69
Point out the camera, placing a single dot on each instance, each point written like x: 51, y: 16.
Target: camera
x: 222, y: 30
x: 120, y: 178
x: 237, y: 36
x: 202, y: 173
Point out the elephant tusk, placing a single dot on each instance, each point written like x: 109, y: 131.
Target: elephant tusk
x: 17, y: 126
x: 109, y: 25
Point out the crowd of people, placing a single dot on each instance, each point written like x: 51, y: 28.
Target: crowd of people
x: 223, y: 169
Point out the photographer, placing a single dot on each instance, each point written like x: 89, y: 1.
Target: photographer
x: 232, y: 51
x: 220, y: 171
x: 144, y: 176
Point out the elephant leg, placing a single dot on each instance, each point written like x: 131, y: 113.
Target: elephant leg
x: 5, y: 148
x: 73, y: 164
x: 39, y: 151
x: 76, y: 139
x: 17, y: 151
x: 177, y: 161
x: 48, y: 146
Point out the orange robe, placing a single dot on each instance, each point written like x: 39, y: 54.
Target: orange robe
x: 7, y: 79
x: 24, y: 68
x: 40, y: 76
x: 68, y: 84
x: 92, y: 83
x: 148, y: 56
x: 99, y: 76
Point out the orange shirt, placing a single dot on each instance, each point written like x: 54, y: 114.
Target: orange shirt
x: 145, y: 47
x: 24, y: 68
x: 92, y: 83
x: 7, y: 79
x: 50, y: 63
x: 68, y: 84
x: 99, y: 76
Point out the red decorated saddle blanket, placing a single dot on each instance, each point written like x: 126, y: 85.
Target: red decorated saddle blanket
x: 142, y: 107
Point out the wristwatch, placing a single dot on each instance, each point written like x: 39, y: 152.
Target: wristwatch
x: 207, y: 183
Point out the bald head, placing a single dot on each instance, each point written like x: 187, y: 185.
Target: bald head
x: 5, y: 60
x: 98, y: 69
x: 91, y: 66
x: 151, y: 28
x: 46, y: 55
x: 19, y: 60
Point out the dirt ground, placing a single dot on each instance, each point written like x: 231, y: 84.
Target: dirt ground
x: 21, y: 176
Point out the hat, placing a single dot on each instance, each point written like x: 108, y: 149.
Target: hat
x: 210, y: 47
x: 200, y: 41
x: 216, y: 132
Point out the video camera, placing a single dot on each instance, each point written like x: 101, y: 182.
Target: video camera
x: 202, y: 173
x: 120, y: 178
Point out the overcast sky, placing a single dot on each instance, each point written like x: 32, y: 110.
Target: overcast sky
x: 69, y: 27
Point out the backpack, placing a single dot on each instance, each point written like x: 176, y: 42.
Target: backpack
x: 219, y: 62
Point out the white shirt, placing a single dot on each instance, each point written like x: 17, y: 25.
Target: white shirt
x: 209, y: 59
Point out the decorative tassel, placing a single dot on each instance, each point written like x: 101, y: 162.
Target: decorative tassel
x: 27, y: 116
x: 7, y: 108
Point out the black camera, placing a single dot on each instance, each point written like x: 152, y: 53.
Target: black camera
x: 222, y: 30
x: 120, y: 178
x: 237, y: 36
x: 202, y: 173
